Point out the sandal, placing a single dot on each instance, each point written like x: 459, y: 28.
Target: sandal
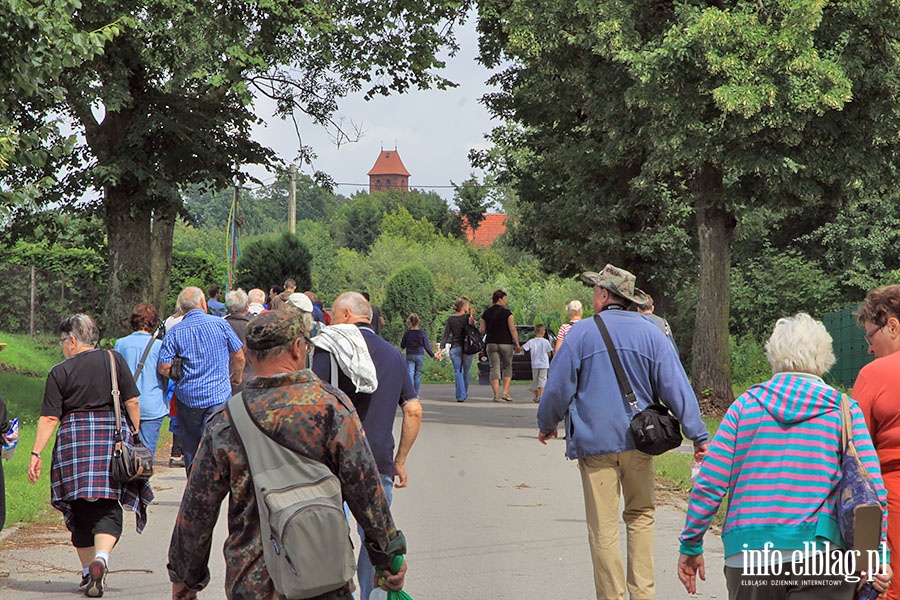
x: 507, y: 397
x: 496, y: 399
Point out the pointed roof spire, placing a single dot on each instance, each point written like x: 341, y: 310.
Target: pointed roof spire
x: 389, y: 163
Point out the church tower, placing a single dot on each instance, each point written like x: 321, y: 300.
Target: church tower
x: 388, y: 173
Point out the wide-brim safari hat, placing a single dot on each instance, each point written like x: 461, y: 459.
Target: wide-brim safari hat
x: 619, y: 281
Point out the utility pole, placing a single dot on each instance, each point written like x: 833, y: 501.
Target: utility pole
x: 292, y: 206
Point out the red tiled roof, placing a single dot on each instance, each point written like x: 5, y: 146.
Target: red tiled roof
x: 493, y: 226
x: 389, y: 163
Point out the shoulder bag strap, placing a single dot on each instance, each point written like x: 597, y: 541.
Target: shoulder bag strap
x: 847, y: 445
x: 115, y: 395
x: 140, y: 367
x: 624, y: 385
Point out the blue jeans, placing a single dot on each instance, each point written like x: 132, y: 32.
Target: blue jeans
x: 364, y: 569
x: 414, y: 363
x: 192, y: 422
x: 461, y: 365
x: 150, y: 433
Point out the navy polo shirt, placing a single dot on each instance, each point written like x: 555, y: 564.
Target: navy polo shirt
x: 378, y: 409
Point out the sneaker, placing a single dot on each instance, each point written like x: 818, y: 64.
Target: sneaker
x: 96, y: 584
x: 176, y: 462
x: 85, y: 579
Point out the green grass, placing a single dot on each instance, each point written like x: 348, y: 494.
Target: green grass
x: 25, y: 502
x: 24, y: 356
x: 674, y: 471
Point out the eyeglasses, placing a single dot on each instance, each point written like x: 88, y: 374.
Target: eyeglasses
x: 63, y: 340
x: 870, y: 334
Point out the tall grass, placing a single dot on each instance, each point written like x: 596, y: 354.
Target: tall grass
x: 25, y: 502
x: 31, y: 357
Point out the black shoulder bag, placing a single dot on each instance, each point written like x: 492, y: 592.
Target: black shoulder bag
x: 655, y: 429
x: 128, y: 463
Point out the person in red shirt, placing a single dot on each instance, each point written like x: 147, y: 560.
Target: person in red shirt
x: 877, y: 390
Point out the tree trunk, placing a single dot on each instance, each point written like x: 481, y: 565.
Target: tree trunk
x: 128, y: 238
x: 711, y: 366
x: 163, y: 229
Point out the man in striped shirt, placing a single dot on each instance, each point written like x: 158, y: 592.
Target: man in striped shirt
x: 212, y: 360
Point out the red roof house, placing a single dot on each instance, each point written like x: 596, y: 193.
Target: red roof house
x: 493, y: 226
x: 388, y: 173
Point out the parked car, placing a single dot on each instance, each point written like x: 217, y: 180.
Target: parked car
x: 521, y: 363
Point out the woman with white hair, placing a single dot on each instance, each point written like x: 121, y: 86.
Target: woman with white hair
x: 575, y: 311
x: 777, y: 454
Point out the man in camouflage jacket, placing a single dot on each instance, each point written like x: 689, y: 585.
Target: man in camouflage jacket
x: 303, y: 414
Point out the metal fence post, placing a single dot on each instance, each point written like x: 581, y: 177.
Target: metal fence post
x: 31, y: 325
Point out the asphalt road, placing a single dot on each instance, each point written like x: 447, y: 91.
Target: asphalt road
x: 489, y: 512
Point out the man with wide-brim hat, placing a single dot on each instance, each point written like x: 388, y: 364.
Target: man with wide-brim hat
x: 618, y: 281
x: 582, y: 388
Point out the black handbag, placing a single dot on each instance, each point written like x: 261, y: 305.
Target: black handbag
x: 655, y: 430
x: 128, y: 463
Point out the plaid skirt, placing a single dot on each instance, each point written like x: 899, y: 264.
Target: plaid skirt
x: 80, y: 468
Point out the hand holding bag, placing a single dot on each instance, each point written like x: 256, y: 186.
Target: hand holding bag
x: 655, y: 430
x: 856, y: 493
x: 129, y: 463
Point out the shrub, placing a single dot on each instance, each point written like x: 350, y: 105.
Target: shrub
x: 197, y: 268
x: 410, y: 289
x: 270, y: 260
x: 749, y: 364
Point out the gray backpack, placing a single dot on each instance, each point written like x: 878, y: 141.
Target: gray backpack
x: 305, y: 534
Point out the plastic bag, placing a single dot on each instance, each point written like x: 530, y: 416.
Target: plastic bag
x: 11, y: 440
x: 396, y: 563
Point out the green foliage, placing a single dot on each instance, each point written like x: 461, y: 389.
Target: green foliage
x: 270, y: 260
x: 749, y: 364
x: 775, y: 284
x: 192, y: 269
x: 473, y: 201
x: 410, y: 289
x: 357, y: 223
x: 402, y: 225
x: 66, y: 281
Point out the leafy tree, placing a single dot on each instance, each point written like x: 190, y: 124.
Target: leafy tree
x: 401, y: 224
x: 652, y: 113
x: 409, y: 290
x: 357, y: 223
x: 472, y: 199
x: 270, y: 260
x: 178, y: 91
x: 194, y: 268
x: 41, y: 42
x: 760, y: 295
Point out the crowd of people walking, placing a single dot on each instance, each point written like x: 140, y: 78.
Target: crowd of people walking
x: 326, y: 385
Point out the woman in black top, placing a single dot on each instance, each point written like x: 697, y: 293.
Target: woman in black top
x: 416, y: 343
x: 502, y: 340
x: 78, y: 397
x: 454, y: 334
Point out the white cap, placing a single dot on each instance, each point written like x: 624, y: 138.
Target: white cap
x: 301, y: 301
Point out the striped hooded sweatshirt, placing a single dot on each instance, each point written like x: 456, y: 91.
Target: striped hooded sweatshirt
x: 777, y: 454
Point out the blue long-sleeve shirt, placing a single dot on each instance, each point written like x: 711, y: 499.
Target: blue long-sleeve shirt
x: 416, y: 343
x: 582, y: 386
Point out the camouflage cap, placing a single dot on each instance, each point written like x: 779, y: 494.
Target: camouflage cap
x: 275, y: 328
x: 618, y: 281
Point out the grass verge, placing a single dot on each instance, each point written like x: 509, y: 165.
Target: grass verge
x: 673, y: 473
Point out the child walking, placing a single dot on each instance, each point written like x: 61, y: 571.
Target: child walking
x: 415, y: 342
x: 539, y: 349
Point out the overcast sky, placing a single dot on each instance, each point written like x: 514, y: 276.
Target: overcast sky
x: 433, y: 131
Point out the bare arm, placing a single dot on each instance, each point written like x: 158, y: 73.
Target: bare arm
x: 45, y: 428
x: 558, y: 344
x: 133, y: 406
x: 511, y: 323
x: 409, y: 431
x: 237, y: 367
x: 482, y: 326
x: 164, y: 369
